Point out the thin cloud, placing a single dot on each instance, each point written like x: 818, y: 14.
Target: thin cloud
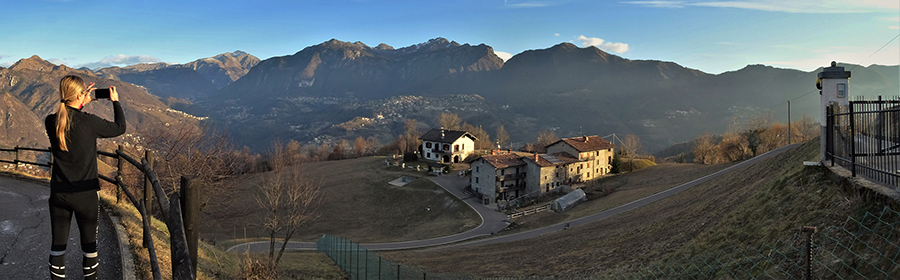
x: 809, y: 7
x: 894, y: 27
x: 503, y: 55
x: 6, y: 64
x: 530, y: 4
x: 658, y: 4
x: 120, y: 60
x: 618, y: 48
x: 727, y: 43
x: 557, y: 34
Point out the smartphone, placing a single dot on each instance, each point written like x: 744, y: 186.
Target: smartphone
x: 101, y: 93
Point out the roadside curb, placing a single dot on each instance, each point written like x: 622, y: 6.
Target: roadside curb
x: 128, y: 272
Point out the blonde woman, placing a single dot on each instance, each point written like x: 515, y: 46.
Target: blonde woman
x: 74, y: 183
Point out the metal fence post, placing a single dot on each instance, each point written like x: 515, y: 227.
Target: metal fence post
x: 852, y: 142
x: 398, y: 272
x: 190, y: 206
x: 807, y: 254
x: 17, y: 158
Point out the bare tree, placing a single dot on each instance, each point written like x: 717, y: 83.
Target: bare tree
x: 631, y: 145
x: 289, y: 196
x: 502, y: 137
x: 450, y: 121
x: 545, y: 138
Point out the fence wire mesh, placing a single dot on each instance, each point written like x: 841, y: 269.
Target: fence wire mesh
x: 861, y: 248
x: 360, y: 263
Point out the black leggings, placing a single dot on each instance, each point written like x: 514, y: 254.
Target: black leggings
x: 86, y: 207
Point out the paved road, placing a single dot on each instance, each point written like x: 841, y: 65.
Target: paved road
x: 25, y: 236
x: 493, y: 221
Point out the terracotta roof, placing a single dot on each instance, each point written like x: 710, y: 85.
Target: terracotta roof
x: 504, y: 160
x: 545, y: 160
x: 444, y: 136
x: 587, y: 143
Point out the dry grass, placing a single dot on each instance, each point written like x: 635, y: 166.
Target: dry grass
x: 765, y: 201
x: 359, y: 204
x: 213, y: 263
x: 625, y: 188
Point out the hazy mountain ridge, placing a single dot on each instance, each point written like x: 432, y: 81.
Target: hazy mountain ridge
x: 192, y: 80
x: 344, y: 69
x: 310, y: 95
x: 565, y: 88
x: 32, y: 87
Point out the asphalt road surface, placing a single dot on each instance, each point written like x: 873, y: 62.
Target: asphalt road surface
x: 25, y: 236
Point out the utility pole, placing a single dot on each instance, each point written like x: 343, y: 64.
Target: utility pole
x: 789, y: 122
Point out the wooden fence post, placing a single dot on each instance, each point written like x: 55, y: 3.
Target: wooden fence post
x: 190, y: 207
x: 17, y: 158
x: 148, y: 188
x: 120, y: 164
x: 182, y: 267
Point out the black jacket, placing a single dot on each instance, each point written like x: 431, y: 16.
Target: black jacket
x: 76, y: 170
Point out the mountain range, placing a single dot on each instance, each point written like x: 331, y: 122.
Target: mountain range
x: 341, y: 90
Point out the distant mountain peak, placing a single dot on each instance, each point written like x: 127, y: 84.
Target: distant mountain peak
x: 384, y: 47
x: 33, y: 63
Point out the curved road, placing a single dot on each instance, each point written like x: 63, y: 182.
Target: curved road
x: 492, y: 221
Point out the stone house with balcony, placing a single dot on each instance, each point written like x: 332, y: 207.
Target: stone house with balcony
x: 499, y: 176
x: 568, y: 161
x: 447, y: 146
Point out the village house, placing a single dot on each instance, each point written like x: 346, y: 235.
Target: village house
x: 568, y: 161
x: 447, y: 146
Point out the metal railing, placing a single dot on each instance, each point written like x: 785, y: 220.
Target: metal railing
x: 864, y: 137
x: 183, y: 236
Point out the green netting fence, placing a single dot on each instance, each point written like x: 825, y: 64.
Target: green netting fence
x: 362, y: 264
x: 864, y: 248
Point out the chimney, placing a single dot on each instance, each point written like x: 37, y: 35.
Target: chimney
x: 535, y: 158
x: 585, y: 138
x: 442, y: 133
x: 493, y: 152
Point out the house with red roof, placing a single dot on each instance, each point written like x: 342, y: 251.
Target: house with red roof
x: 569, y: 161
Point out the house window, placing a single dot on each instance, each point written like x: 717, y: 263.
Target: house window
x: 502, y: 171
x: 427, y: 155
x: 589, y: 165
x: 428, y: 145
x: 476, y: 180
x: 477, y: 168
x: 456, y: 148
x: 589, y: 175
x: 446, y: 147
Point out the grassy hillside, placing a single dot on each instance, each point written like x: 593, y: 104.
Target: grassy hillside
x: 767, y: 201
x: 359, y: 204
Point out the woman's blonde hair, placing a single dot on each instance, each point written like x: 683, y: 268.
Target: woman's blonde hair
x: 70, y: 89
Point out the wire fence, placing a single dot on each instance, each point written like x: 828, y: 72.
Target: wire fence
x: 867, y: 248
x: 360, y: 263
x: 863, y: 248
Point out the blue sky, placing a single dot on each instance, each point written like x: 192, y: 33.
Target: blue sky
x: 709, y: 35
